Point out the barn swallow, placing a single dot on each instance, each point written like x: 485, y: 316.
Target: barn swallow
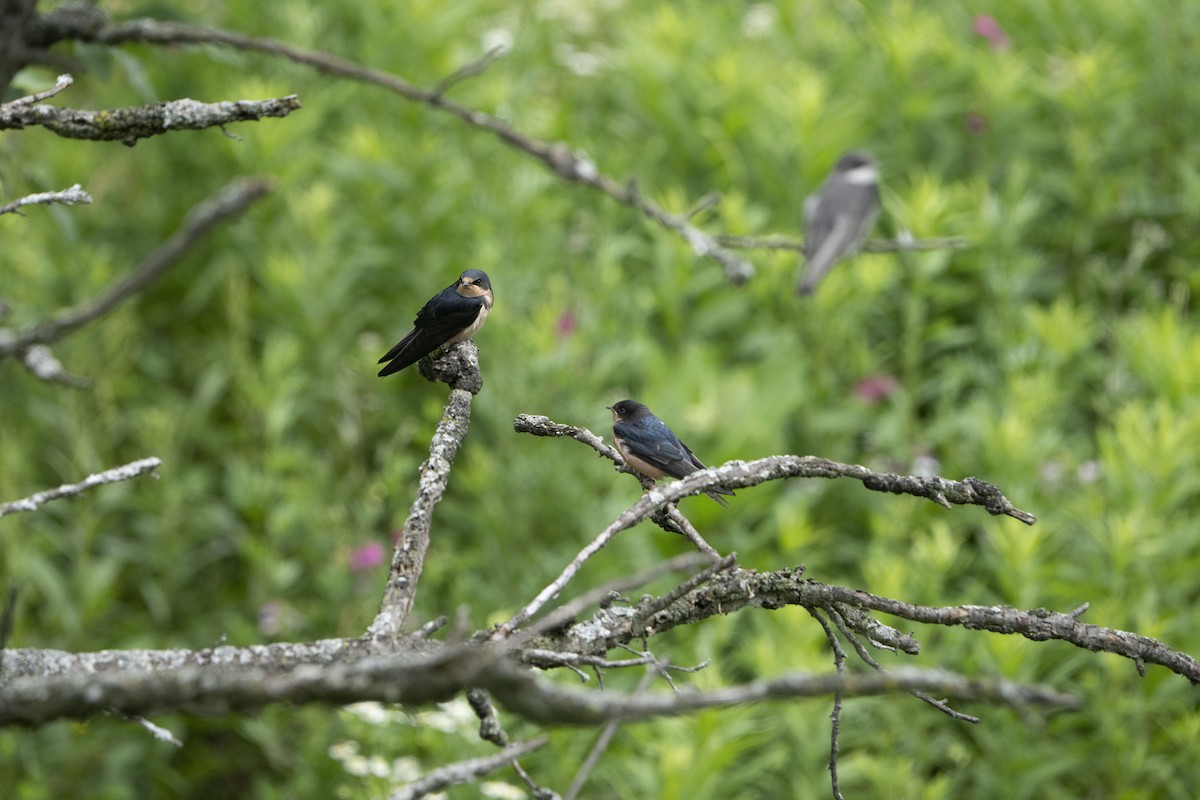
x: 839, y: 216
x: 453, y: 314
x: 651, y: 448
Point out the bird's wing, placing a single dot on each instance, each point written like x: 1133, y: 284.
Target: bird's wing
x: 657, y: 446
x: 439, y: 321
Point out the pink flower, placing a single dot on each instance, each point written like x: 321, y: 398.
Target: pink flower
x: 566, y: 324
x: 976, y: 123
x: 368, y: 556
x: 988, y: 27
x: 876, y: 388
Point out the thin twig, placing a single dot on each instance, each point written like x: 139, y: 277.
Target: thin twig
x: 71, y: 196
x: 835, y: 716
x: 229, y: 202
x: 465, y: 771
x: 601, y: 744
x: 874, y: 664
x: 60, y: 84
x: 122, y: 473
x: 476, y: 67
x: 871, y: 246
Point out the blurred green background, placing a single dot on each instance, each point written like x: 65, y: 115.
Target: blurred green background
x: 1059, y: 358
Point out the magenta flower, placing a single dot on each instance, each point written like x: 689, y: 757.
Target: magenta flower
x: 876, y: 388
x: 988, y: 27
x: 566, y: 324
x: 368, y: 556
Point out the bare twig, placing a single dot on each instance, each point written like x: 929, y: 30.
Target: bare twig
x: 601, y: 744
x: 128, y: 125
x: 229, y: 202
x: 41, y: 361
x: 476, y: 67
x: 60, y: 84
x: 871, y: 246
x: 835, y: 716
x: 122, y: 473
x: 861, y: 649
x: 458, y: 366
x: 465, y: 771
x: 555, y: 156
x: 740, y: 589
x: 71, y: 196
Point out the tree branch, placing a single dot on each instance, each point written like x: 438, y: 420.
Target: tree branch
x: 229, y: 202
x: 900, y: 244
x: 66, y: 196
x: 725, y: 594
x: 122, y: 473
x: 741, y: 474
x: 465, y: 771
x: 459, y: 367
x: 128, y: 125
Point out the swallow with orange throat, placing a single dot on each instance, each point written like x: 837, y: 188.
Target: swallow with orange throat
x: 453, y: 314
x: 652, y: 449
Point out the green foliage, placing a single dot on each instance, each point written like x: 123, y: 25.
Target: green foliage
x: 1057, y: 357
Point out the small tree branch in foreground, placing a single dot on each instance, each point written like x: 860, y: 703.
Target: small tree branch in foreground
x: 229, y: 202
x: 731, y: 592
x: 465, y: 771
x: 71, y: 196
x: 122, y: 473
x: 459, y: 367
x: 128, y: 125
x: 244, y: 683
x: 742, y: 474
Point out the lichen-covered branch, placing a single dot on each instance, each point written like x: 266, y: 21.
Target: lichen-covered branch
x: 457, y: 366
x: 465, y: 771
x: 742, y: 474
x: 71, y: 196
x: 734, y: 591
x: 128, y: 125
x: 122, y: 473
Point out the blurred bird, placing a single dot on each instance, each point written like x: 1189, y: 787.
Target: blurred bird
x: 839, y: 216
x: 453, y: 314
x: 651, y: 448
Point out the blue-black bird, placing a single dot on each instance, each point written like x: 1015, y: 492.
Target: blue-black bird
x: 651, y: 448
x: 453, y: 314
x: 839, y: 216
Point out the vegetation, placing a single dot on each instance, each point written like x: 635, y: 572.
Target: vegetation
x: 1058, y: 357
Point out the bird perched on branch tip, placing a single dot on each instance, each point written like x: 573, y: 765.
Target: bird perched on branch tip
x: 652, y: 449
x: 453, y: 314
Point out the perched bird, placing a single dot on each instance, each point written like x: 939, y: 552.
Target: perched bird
x: 651, y: 448
x: 453, y: 314
x: 839, y: 216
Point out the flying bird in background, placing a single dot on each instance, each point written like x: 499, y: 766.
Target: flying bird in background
x: 453, y: 314
x: 652, y: 449
x: 839, y: 216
